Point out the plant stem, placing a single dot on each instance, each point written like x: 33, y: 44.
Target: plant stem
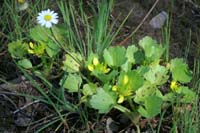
x: 133, y: 116
x: 138, y: 128
x: 60, y: 45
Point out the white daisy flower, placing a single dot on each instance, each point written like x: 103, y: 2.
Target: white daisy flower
x: 47, y: 18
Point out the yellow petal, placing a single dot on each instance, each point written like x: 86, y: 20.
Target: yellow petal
x: 95, y: 61
x: 91, y: 68
x: 127, y: 92
x: 21, y: 1
x: 31, y: 45
x: 114, y: 88
x: 30, y: 51
x: 106, y: 70
x: 121, y: 99
x: 174, y: 85
x: 125, y: 81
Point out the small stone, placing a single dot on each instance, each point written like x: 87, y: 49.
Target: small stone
x: 158, y: 21
x: 111, y: 126
x: 22, y: 122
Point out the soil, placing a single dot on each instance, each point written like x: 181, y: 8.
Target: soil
x: 185, y: 19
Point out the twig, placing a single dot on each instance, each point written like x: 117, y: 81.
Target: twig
x: 25, y: 106
x: 141, y: 23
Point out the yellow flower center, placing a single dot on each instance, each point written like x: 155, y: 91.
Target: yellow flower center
x: 21, y: 1
x: 47, y: 17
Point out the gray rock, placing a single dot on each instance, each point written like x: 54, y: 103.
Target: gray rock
x: 158, y: 21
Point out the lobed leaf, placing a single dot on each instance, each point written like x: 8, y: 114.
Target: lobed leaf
x: 180, y: 71
x: 152, y: 50
x: 25, y: 63
x: 17, y: 49
x: 152, y: 107
x: 103, y: 100
x: 72, y: 82
x: 115, y: 56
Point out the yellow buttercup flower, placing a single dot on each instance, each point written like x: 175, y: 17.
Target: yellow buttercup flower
x: 121, y: 99
x: 174, y: 85
x: 36, y: 49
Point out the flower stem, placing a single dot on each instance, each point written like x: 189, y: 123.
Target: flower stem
x: 61, y: 46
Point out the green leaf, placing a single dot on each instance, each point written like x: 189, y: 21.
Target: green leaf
x: 134, y: 81
x: 142, y: 69
x: 89, y: 89
x: 169, y: 97
x: 126, y: 66
x: 25, y: 63
x: 17, y: 49
x: 60, y: 33
x: 105, y: 78
x: 90, y: 59
x: 40, y: 34
x: 189, y: 96
x: 103, y: 100
x: 157, y: 75
x: 145, y: 91
x: 52, y: 49
x: 152, y: 50
x: 139, y: 57
x: 70, y: 63
x: 131, y: 50
x: 152, y: 107
x: 115, y: 56
x: 180, y: 71
x: 72, y: 82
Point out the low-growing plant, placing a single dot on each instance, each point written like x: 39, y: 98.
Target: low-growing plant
x: 135, y: 80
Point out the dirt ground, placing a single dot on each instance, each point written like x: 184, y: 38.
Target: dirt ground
x: 184, y: 18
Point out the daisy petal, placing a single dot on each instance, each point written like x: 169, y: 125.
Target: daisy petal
x: 47, y: 18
